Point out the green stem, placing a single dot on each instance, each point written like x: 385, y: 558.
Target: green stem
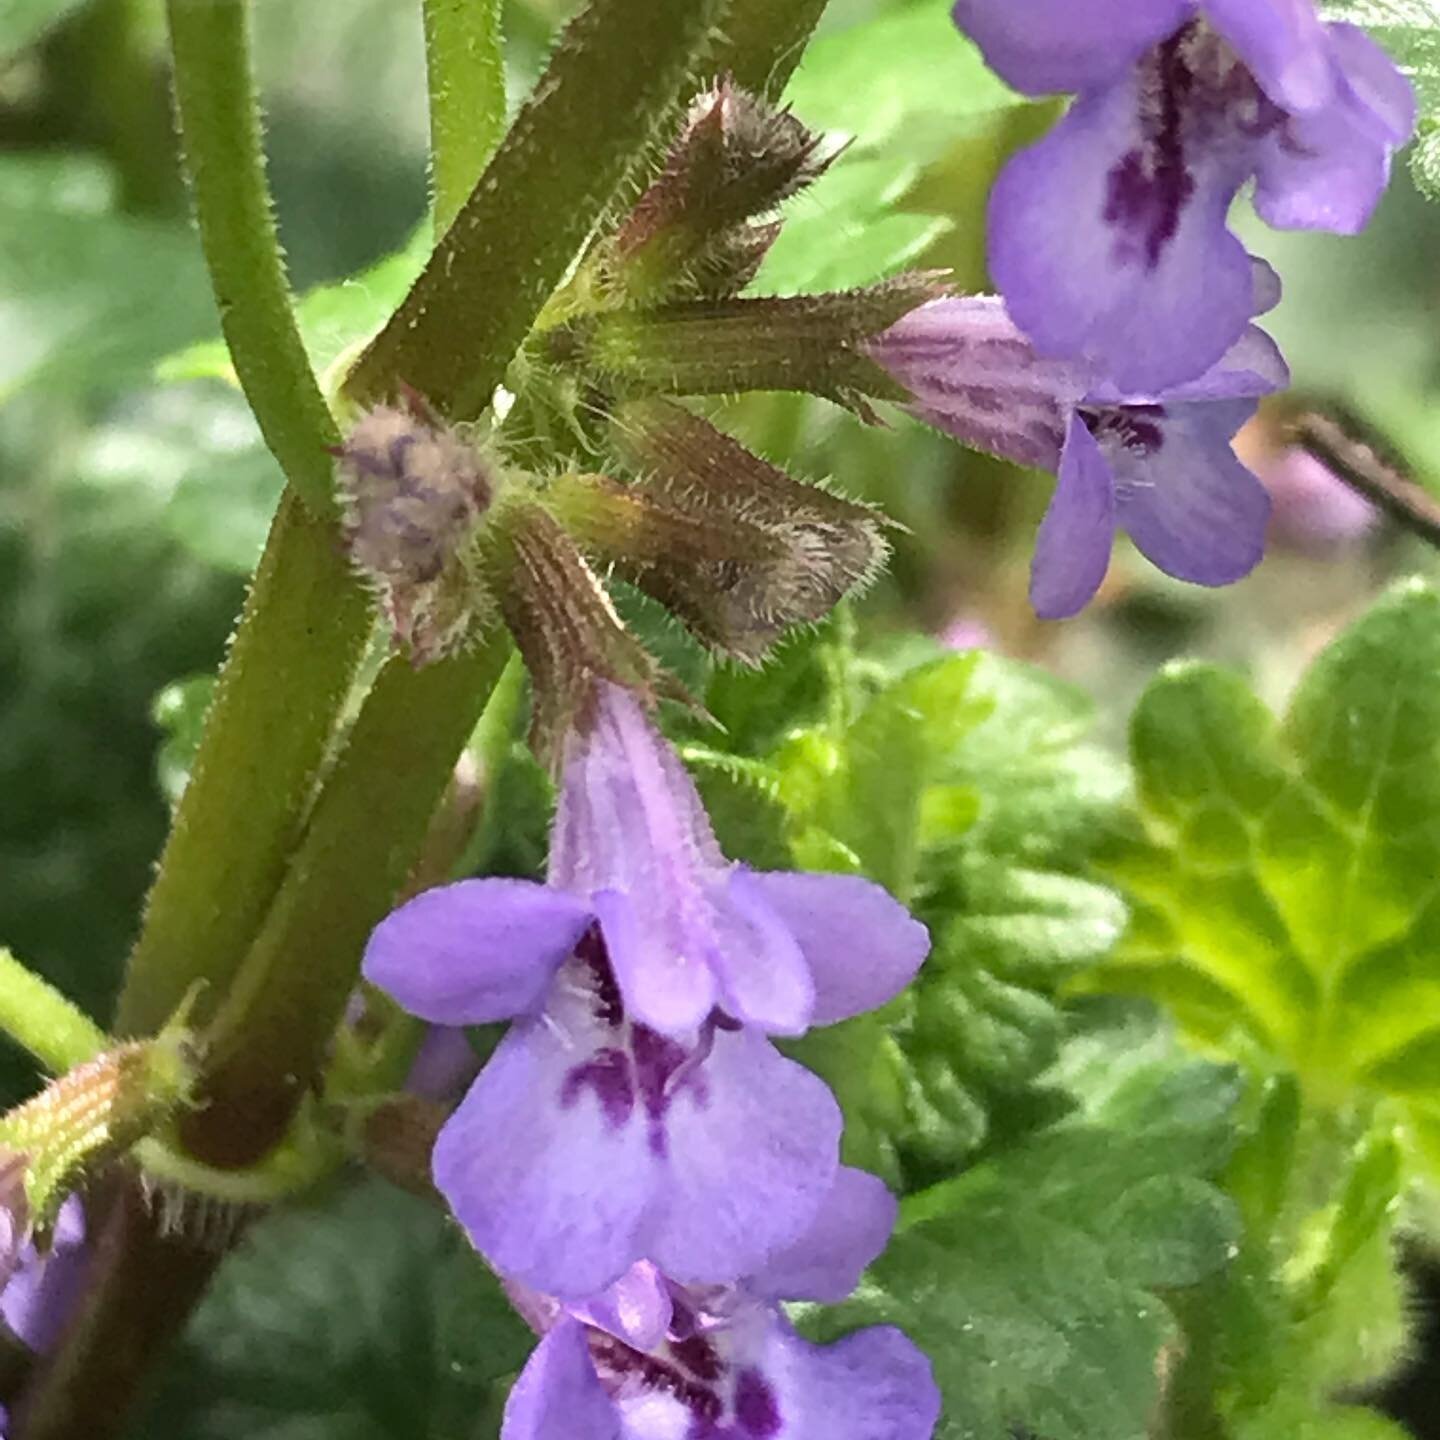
x: 765, y: 40
x: 287, y: 675
x: 57, y: 1033
x: 618, y: 71
x: 221, y: 131
x: 466, y: 71
x: 270, y: 1038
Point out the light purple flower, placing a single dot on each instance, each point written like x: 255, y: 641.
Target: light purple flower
x: 42, y: 1288
x: 1109, y: 238
x: 1315, y: 512
x: 653, y: 1360
x: 636, y: 1110
x: 1158, y: 466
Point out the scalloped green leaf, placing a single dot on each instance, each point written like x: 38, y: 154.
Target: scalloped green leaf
x: 1284, y: 877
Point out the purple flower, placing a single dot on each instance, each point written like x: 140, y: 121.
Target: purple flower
x: 653, y: 1360
x: 1158, y: 466
x: 635, y: 1110
x: 41, y: 1288
x: 1315, y: 512
x: 1109, y: 238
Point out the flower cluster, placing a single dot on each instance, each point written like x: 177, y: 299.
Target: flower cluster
x: 1124, y: 354
x: 645, y: 1169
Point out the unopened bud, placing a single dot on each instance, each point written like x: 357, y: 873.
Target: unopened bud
x: 84, y: 1119
x: 738, y: 549
x: 736, y: 159
x: 413, y: 493
x: 563, y: 622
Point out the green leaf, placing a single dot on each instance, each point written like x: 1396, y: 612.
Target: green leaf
x: 1410, y: 31
x: 364, y: 1318
x: 88, y: 296
x: 1032, y: 1281
x: 1283, y: 876
x: 22, y: 22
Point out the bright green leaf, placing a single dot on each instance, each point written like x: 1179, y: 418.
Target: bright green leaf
x: 1283, y: 876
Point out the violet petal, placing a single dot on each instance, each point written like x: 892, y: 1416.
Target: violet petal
x: 862, y: 946
x: 1283, y: 44
x: 476, y: 951
x: 558, y: 1395
x: 1072, y: 550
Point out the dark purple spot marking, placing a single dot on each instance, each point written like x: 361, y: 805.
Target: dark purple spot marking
x: 591, y: 952
x: 607, y: 1073
x: 1148, y: 190
x: 697, y: 1355
x: 657, y: 1060
x: 756, y: 1412
x: 615, y: 1361
x: 1136, y: 427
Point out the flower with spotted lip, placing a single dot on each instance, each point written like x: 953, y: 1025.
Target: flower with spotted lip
x: 653, y: 1360
x: 1109, y: 239
x: 1157, y: 465
x: 636, y: 1109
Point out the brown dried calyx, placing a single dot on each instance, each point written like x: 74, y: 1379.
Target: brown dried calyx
x: 732, y: 545
x: 699, y: 228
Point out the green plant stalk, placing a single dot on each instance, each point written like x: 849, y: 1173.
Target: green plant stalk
x: 268, y: 732
x: 270, y: 1038
x: 306, y: 618
x: 466, y: 70
x: 36, y: 1015
x: 616, y: 75
x: 765, y: 40
x: 224, y: 154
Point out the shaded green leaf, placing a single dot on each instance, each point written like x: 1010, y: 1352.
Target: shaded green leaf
x: 1032, y: 1281
x: 363, y: 1318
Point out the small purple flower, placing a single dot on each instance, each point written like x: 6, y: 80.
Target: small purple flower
x: 1109, y: 238
x: 635, y: 1110
x: 1315, y: 512
x: 653, y: 1360
x: 1158, y: 466
x: 42, y: 1287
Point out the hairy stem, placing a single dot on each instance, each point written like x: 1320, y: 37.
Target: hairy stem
x: 466, y: 72
x: 270, y: 1039
x: 225, y: 158
x: 39, y: 1017
x: 617, y: 73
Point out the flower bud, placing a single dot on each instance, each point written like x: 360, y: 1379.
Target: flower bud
x: 413, y: 493
x: 81, y: 1121
x: 736, y: 158
x: 733, y: 545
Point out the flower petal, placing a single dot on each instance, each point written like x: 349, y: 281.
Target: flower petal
x: 1109, y: 241
x: 661, y: 964
x: 975, y: 376
x: 764, y: 978
x: 1189, y: 505
x: 1045, y: 47
x: 872, y: 1385
x: 851, y: 1229
x: 549, y: 1180
x: 444, y: 1066
x: 1072, y: 550
x: 1284, y: 46
x: 1328, y: 170
x: 753, y: 1146
x: 862, y: 946
x: 636, y: 1308
x: 477, y: 951
x: 558, y: 1395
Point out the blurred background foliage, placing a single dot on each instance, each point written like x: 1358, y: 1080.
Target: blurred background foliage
x: 135, y: 495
